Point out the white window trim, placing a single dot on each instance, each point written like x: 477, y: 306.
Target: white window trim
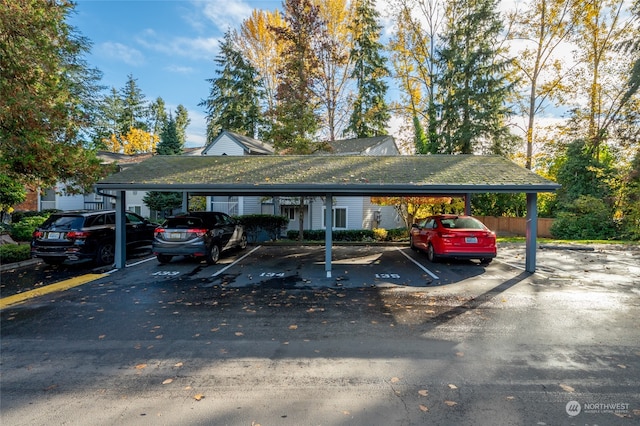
x: 333, y: 210
x: 132, y: 208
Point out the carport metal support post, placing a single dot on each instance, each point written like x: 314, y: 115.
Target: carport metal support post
x: 531, y: 231
x: 467, y: 204
x: 328, y: 235
x: 121, y: 230
x: 185, y: 201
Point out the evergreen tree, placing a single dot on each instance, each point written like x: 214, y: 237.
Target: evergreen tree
x: 472, y: 85
x: 157, y: 116
x: 295, y: 118
x: 182, y: 121
x: 107, y: 121
x: 370, y: 115
x: 135, y: 112
x: 234, y: 100
x: 47, y: 96
x: 170, y: 143
x: 420, y: 139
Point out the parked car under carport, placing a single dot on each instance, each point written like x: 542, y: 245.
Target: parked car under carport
x: 327, y: 176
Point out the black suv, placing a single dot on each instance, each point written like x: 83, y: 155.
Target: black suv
x: 78, y: 235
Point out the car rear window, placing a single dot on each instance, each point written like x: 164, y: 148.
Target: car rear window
x: 63, y: 222
x: 183, y: 223
x: 462, y: 223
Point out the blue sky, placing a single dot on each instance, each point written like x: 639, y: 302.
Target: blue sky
x: 167, y: 45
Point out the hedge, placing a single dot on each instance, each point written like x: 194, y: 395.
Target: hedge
x: 10, y: 253
x: 23, y: 230
x: 255, y: 223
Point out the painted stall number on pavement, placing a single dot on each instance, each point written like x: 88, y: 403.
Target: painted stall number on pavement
x: 388, y: 276
x: 272, y: 274
x: 167, y: 273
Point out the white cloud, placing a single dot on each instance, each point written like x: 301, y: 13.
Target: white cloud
x: 179, y: 69
x: 197, y: 130
x: 226, y: 14
x: 195, y: 48
x: 119, y: 51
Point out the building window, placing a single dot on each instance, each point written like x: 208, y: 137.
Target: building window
x: 339, y: 217
x: 135, y: 209
x: 289, y: 212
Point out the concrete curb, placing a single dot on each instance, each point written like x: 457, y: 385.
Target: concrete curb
x: 20, y: 265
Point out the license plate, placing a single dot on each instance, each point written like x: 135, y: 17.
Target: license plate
x: 471, y: 240
x: 53, y: 236
x: 175, y: 235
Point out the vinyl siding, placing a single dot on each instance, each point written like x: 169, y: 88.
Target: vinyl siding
x: 225, y: 146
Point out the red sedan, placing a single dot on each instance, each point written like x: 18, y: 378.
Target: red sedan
x: 453, y: 236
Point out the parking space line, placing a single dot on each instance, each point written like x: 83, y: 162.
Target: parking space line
x: 522, y: 268
x: 434, y: 276
x: 52, y: 288
x: 233, y: 263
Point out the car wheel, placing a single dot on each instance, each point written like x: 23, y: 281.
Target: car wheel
x: 105, y: 254
x: 413, y: 247
x: 213, y: 254
x: 243, y: 242
x: 164, y: 258
x: 431, y: 254
x: 485, y: 260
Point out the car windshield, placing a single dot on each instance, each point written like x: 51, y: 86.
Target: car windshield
x: 63, y: 222
x: 462, y: 223
x: 183, y: 223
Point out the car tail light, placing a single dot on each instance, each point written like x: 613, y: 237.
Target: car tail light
x: 78, y: 234
x: 158, y: 231
x: 37, y: 234
x: 198, y: 232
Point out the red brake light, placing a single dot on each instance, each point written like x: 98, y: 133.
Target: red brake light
x: 37, y: 234
x: 445, y: 235
x: 158, y: 231
x: 198, y: 232
x: 78, y: 234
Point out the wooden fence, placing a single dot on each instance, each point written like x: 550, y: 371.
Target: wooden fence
x: 515, y: 226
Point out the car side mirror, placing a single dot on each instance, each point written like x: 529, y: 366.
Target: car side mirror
x: 415, y: 225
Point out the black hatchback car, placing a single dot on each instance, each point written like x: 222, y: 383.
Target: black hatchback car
x: 80, y: 235
x: 198, y: 234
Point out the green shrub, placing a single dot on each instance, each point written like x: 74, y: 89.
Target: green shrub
x: 23, y: 230
x: 397, y: 234
x: 254, y: 223
x: 17, y: 216
x: 10, y: 253
x: 586, y: 218
x: 340, y: 235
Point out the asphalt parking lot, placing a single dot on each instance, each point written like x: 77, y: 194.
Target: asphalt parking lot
x: 264, y: 337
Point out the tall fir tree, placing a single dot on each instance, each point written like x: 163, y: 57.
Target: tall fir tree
x: 157, y: 116
x: 295, y: 118
x: 236, y: 92
x: 473, y: 85
x: 135, y: 112
x: 370, y: 115
x: 182, y: 122
x: 170, y: 143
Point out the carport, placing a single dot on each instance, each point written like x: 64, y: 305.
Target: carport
x: 330, y: 176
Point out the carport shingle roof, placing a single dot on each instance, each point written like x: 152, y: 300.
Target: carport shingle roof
x: 351, y: 174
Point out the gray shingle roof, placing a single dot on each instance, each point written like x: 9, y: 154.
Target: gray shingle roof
x: 344, y: 175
